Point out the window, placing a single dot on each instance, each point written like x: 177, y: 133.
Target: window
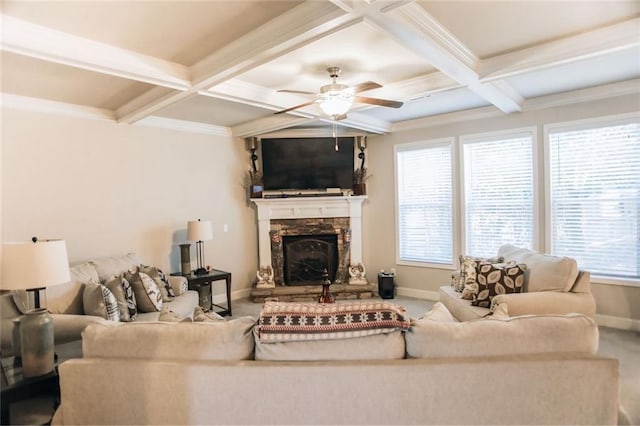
x: 594, y: 196
x: 499, y: 204
x: 425, y: 198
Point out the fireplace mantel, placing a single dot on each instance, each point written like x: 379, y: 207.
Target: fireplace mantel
x: 309, y: 207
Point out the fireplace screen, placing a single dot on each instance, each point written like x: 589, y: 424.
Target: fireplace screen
x: 307, y: 256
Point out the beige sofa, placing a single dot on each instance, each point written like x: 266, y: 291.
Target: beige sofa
x: 553, y: 285
x: 65, y: 302
x: 477, y: 372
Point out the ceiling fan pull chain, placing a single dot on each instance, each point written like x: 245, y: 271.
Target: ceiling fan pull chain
x: 335, y: 132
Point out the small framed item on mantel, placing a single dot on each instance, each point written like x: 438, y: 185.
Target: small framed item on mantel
x: 255, y: 191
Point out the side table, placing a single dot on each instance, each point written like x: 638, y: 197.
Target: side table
x: 203, y: 284
x: 15, y: 387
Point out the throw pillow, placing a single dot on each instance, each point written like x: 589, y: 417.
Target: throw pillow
x: 468, y: 265
x: 167, y: 315
x: 497, y: 278
x: 438, y: 312
x: 159, y: 279
x: 99, y: 301
x: 127, y: 298
x: 146, y: 291
x: 200, y: 316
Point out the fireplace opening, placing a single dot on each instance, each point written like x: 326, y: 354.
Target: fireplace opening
x: 307, y: 256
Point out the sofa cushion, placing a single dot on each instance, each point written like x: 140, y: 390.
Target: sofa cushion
x: 544, y: 272
x: 200, y: 315
x: 115, y: 265
x: 438, y: 312
x: 147, y: 293
x: 530, y: 334
x: 378, y: 346
x: 99, y: 301
x: 460, y: 308
x: 221, y: 340
x: 497, y: 278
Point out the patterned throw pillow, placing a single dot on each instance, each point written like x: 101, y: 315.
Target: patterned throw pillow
x: 497, y: 278
x: 468, y: 265
x: 98, y: 300
x: 167, y: 315
x: 160, y: 279
x: 201, y: 316
x: 123, y: 292
x: 147, y: 293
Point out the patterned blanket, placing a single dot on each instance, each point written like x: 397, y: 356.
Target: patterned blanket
x: 285, y: 322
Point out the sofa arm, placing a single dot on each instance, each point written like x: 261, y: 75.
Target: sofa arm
x: 179, y: 284
x: 547, y: 302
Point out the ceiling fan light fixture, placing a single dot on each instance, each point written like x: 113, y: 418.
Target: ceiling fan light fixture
x: 336, y: 103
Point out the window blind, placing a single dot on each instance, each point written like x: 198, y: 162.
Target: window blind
x: 595, y: 198
x: 425, y: 218
x: 498, y: 188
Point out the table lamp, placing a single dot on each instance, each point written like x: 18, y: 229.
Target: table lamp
x: 199, y: 231
x: 33, y: 267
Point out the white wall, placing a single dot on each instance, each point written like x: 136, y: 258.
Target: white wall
x: 110, y: 188
x: 379, y: 211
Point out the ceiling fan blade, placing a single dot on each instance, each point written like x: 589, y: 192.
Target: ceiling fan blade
x: 295, y: 107
x: 376, y: 101
x: 367, y: 85
x: 299, y: 92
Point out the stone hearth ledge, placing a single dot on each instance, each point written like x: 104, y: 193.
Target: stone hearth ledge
x: 310, y: 293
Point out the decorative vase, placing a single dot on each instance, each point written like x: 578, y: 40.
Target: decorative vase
x: 36, y: 339
x: 15, y: 338
x: 326, y: 296
x: 360, y: 189
x: 185, y: 258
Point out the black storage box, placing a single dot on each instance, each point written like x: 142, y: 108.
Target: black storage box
x: 386, y: 285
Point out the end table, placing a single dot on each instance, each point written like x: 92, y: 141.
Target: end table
x: 203, y: 285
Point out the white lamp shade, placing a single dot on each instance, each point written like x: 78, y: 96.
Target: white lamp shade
x: 199, y: 230
x: 34, y: 265
x: 337, y: 104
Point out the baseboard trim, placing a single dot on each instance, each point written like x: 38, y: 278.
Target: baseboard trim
x: 618, y: 322
x: 419, y: 294
x: 235, y: 295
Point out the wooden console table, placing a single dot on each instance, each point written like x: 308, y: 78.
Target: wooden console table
x: 204, y: 284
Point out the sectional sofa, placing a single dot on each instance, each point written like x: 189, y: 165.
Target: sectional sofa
x: 519, y: 370
x: 67, y: 305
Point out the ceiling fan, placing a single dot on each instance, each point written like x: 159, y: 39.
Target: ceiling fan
x: 335, y: 99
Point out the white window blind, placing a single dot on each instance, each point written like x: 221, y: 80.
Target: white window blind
x: 498, y: 187
x: 425, y: 218
x: 595, y: 197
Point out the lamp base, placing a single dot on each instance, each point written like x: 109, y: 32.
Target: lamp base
x: 201, y: 271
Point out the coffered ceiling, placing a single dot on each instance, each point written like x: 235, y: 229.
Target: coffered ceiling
x: 217, y: 66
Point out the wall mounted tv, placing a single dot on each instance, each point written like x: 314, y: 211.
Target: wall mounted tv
x: 307, y: 163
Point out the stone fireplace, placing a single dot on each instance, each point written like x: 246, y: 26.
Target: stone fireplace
x: 298, y: 238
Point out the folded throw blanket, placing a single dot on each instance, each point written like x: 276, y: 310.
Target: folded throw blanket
x: 284, y: 322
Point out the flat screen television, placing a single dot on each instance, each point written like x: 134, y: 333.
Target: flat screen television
x: 307, y: 163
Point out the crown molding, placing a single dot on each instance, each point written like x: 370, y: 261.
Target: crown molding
x: 267, y: 124
x: 44, y: 43
x: 26, y: 103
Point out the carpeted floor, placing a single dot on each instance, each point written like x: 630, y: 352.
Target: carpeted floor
x: 620, y: 344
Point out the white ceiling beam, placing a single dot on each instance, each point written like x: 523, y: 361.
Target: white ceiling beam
x: 293, y: 29
x: 44, y: 43
x: 603, y: 41
x: 26, y: 103
x: 412, y: 26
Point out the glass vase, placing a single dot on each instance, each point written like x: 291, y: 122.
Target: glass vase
x: 36, y: 339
